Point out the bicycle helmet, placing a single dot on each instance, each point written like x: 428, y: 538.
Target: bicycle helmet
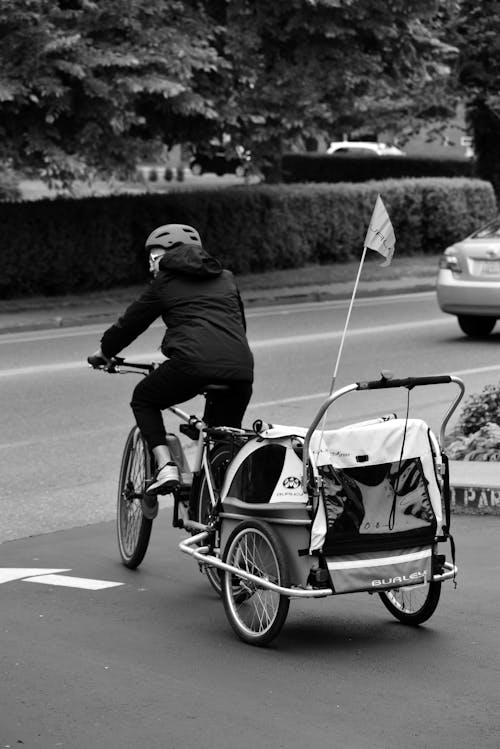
x: 170, y: 235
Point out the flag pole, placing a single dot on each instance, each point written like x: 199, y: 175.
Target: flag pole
x: 380, y: 237
x: 339, y: 354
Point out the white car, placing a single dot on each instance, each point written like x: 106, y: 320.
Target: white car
x: 468, y: 282
x: 366, y: 148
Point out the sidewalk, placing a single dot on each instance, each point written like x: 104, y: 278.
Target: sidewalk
x: 475, y: 485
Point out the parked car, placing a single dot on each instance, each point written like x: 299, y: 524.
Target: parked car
x: 468, y: 282
x: 365, y: 148
x: 221, y: 161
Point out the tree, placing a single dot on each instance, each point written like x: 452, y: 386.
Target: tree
x: 90, y: 85
x: 477, y: 34
x: 305, y: 69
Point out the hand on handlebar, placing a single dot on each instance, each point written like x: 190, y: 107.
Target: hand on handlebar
x: 97, y: 360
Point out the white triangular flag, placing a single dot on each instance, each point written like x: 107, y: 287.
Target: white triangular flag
x: 380, y: 235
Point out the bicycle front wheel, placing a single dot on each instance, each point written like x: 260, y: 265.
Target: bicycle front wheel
x: 256, y: 614
x: 133, y: 528
x: 413, y: 604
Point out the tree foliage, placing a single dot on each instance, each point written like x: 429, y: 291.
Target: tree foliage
x: 90, y: 84
x: 477, y: 33
x: 87, y: 84
x: 306, y: 68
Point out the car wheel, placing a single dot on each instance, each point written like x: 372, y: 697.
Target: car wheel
x: 476, y: 327
x: 196, y: 169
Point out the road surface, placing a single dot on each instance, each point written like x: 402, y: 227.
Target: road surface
x: 65, y: 425
x: 121, y: 659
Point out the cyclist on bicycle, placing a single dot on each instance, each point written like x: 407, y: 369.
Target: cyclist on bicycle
x: 205, y: 343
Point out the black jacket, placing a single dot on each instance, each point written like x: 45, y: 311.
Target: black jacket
x: 202, y: 309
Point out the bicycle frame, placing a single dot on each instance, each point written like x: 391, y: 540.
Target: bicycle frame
x: 119, y: 365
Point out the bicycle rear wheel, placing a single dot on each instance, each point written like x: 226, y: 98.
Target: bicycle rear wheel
x: 133, y: 528
x: 219, y: 459
x: 413, y: 604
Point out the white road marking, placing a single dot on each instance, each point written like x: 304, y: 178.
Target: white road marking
x: 18, y: 573
x: 475, y: 370
x: 261, y: 344
x: 316, y: 396
x: 54, y: 333
x: 43, y: 368
x: 291, y: 308
x: 282, y: 309
x: 66, y: 581
x: 294, y: 399
x: 328, y: 336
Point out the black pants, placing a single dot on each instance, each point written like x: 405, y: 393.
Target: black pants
x: 168, y: 386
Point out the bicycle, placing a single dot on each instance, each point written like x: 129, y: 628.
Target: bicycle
x: 276, y: 513
x: 196, y: 500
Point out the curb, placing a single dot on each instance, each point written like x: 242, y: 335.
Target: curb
x: 65, y: 314
x: 475, y: 487
x: 475, y: 500
x: 283, y: 296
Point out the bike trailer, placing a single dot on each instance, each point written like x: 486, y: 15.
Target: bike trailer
x: 372, y: 511
x: 379, y: 510
x: 264, y: 481
x: 314, y: 513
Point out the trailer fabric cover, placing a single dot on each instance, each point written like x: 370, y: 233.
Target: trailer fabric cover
x: 268, y: 470
x: 377, y: 571
x: 380, y: 487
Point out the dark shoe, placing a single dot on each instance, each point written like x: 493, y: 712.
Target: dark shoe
x: 149, y: 506
x: 166, y: 480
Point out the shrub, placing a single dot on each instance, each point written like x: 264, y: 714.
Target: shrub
x: 484, y: 445
x: 9, y: 186
x: 96, y: 243
x: 477, y: 434
x: 480, y: 409
x: 356, y: 168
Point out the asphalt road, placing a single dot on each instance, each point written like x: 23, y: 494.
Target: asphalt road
x: 65, y: 425
x: 153, y: 661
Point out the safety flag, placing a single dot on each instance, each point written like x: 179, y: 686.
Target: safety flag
x: 380, y: 235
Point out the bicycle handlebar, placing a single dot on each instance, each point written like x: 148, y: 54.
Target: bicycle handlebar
x: 407, y: 382
x: 113, y: 365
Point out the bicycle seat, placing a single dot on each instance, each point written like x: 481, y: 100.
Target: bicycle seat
x: 213, y: 387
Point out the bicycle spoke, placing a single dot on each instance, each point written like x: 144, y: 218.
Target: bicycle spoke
x: 258, y: 610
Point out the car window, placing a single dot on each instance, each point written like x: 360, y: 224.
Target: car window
x: 492, y: 229
x: 357, y: 151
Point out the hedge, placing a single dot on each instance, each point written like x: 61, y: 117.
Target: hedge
x: 355, y: 168
x: 58, y: 246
